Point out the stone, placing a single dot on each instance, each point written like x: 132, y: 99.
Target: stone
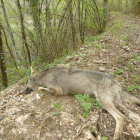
x: 1, y: 117
x: 102, y: 69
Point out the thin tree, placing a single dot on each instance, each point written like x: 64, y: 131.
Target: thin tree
x: 81, y: 20
x: 36, y: 12
x: 2, y: 61
x: 72, y: 25
x: 23, y: 31
x: 105, y: 12
x: 9, y: 28
x: 10, y: 51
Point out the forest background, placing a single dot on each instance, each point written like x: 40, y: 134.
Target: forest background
x: 40, y: 32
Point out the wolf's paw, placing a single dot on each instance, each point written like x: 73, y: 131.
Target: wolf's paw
x: 40, y: 89
x: 134, y: 116
x: 117, y: 135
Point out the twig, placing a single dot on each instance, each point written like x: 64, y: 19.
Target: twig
x: 47, y: 111
x: 100, y: 62
x: 40, y: 124
x: 3, y: 106
x: 80, y: 131
x: 13, y: 97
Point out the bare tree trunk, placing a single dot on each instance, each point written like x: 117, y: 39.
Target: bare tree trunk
x: 81, y: 20
x: 120, y: 5
x: 23, y: 31
x: 48, y: 31
x: 9, y: 49
x: 72, y: 25
x: 105, y: 12
x: 83, y: 34
x: 64, y: 11
x: 98, y: 16
x: 38, y: 27
x: 2, y: 62
x: 10, y: 31
x: 55, y: 39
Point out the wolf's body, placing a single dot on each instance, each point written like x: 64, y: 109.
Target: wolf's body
x: 62, y: 81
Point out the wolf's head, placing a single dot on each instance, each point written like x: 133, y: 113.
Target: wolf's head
x: 32, y: 83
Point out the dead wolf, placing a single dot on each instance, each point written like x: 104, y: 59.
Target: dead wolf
x: 62, y: 81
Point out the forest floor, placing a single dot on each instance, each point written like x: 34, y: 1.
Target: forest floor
x: 117, y: 52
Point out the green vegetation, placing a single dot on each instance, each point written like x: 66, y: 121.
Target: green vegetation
x: 135, y: 57
x: 103, y: 138
x: 58, y: 107
x: 130, y: 66
x: 133, y: 62
x: 138, y: 137
x: 90, y: 129
x: 45, y: 31
x: 134, y: 77
x: 87, y: 103
x: 120, y: 58
x: 118, y: 71
x: 132, y: 88
x: 116, y: 26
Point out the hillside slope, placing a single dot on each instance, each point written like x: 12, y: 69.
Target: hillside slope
x: 117, y: 52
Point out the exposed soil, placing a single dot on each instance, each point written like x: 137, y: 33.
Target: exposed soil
x: 117, y: 52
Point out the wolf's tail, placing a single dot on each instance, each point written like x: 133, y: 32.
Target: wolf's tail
x: 129, y: 98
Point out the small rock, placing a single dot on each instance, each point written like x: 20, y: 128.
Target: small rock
x: 89, y: 135
x: 101, y: 41
x: 102, y: 69
x: 38, y: 96
x: 1, y: 117
x: 42, y: 138
x: 2, y: 131
x: 38, y: 135
x: 66, y: 119
x: 69, y: 57
x: 67, y: 65
x: 69, y: 131
x: 136, y: 108
x: 81, y: 49
x: 104, y: 50
x: 22, y: 100
x: 126, y: 48
x: 22, y: 118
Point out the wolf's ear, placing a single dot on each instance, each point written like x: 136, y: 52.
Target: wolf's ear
x: 33, y: 71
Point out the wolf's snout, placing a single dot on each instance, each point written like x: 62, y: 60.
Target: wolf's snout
x: 28, y: 90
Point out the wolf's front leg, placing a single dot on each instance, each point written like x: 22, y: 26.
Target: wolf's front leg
x: 51, y: 90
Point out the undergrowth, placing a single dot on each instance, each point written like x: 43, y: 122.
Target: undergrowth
x: 87, y: 103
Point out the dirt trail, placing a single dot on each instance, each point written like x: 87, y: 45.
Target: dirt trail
x: 117, y: 52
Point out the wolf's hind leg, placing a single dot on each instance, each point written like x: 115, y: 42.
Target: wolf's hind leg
x: 131, y: 114
x: 119, y: 118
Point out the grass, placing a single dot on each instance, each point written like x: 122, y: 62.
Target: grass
x: 90, y: 40
x: 133, y: 77
x: 116, y: 25
x: 135, y: 57
x: 118, y: 71
x: 130, y: 66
